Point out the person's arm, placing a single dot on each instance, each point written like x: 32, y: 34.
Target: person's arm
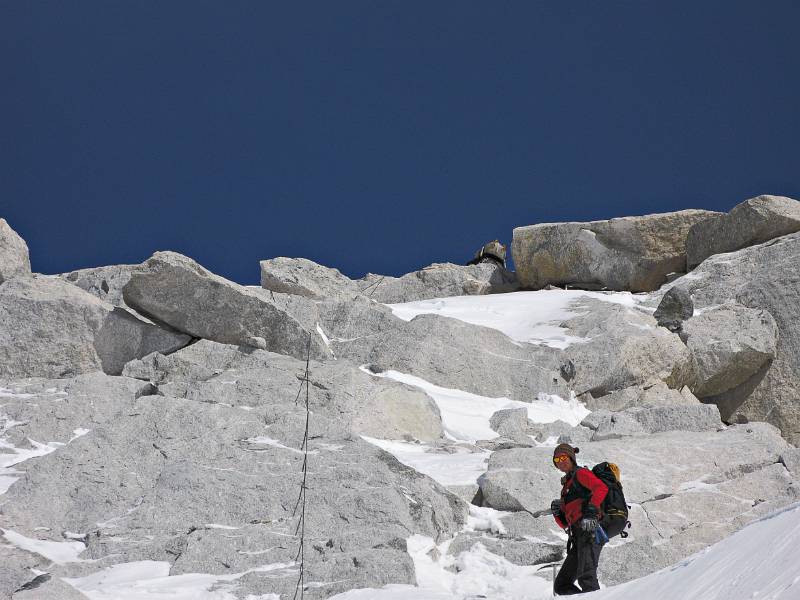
x: 593, y: 483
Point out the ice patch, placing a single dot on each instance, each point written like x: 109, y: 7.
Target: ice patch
x: 465, y: 416
x: 532, y: 317
x: 447, y: 469
x: 57, y: 552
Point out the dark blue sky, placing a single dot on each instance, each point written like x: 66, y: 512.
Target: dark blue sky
x: 379, y: 136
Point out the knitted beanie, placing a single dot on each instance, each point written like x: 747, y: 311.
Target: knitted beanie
x: 568, y: 450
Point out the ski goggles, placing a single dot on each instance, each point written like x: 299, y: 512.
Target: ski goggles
x: 560, y: 458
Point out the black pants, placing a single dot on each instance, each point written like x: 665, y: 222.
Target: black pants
x: 583, y: 555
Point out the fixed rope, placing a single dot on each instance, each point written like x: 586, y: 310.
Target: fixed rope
x: 300, y: 530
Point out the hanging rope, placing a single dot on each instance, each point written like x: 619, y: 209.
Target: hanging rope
x: 301, y: 497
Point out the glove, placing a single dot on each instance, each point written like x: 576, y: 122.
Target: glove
x: 589, y: 524
x: 555, y: 506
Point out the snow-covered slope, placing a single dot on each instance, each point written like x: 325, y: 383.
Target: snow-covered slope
x: 759, y: 562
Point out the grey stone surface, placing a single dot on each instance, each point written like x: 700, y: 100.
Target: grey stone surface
x: 105, y: 283
x: 624, y: 348
x: 760, y: 277
x: 304, y: 277
x: 174, y: 289
x: 459, y: 355
x: 651, y: 394
x: 510, y: 422
x: 439, y: 280
x: 51, y: 328
x: 791, y: 460
x: 14, y: 258
x: 629, y: 253
x: 516, y: 550
x: 675, y: 307
x: 729, y: 344
x: 752, y: 222
x: 166, y: 478
x: 642, y: 420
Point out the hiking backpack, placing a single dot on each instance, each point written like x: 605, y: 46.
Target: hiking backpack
x: 615, y: 510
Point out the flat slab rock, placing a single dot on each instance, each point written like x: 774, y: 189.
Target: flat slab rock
x: 173, y: 289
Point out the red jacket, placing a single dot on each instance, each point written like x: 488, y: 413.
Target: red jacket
x: 579, y: 487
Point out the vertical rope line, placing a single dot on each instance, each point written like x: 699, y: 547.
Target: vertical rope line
x: 301, y: 497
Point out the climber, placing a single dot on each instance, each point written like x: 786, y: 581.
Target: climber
x: 578, y: 512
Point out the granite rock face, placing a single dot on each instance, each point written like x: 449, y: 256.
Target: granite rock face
x: 729, y: 344
x: 629, y: 253
x: 50, y: 328
x: 207, y: 481
x: 454, y: 354
x: 173, y: 289
x: 14, y: 258
x: 652, y: 419
x: 752, y: 222
x: 763, y: 277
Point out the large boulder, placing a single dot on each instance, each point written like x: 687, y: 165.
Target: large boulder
x: 629, y: 253
x: 173, y: 289
x: 14, y: 258
x: 729, y: 344
x: 50, y: 328
x: 622, y: 347
x: 764, y: 277
x: 752, y: 222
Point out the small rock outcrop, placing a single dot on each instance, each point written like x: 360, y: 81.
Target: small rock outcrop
x: 675, y: 307
x: 303, y: 277
x: 173, y: 289
x: 752, y: 222
x: 629, y: 253
x: 14, y: 258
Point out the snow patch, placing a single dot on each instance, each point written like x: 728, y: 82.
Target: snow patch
x: 462, y: 468
x: 150, y: 580
x: 57, y: 552
x: 465, y: 416
x: 531, y: 317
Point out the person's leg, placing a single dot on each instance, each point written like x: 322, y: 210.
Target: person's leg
x: 587, y: 556
x: 564, y: 584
